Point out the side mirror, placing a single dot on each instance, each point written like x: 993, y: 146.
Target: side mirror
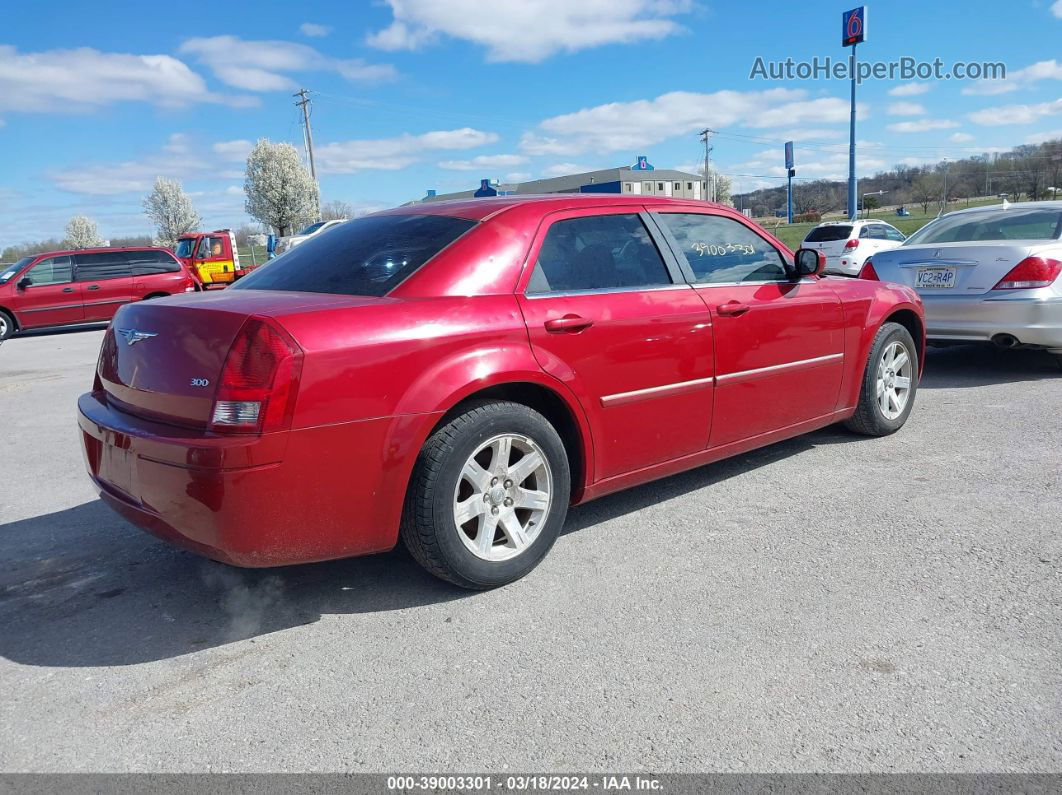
x: 809, y: 262
x: 24, y: 283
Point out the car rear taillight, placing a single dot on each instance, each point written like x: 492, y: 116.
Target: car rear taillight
x: 259, y: 381
x: 1031, y: 272
x: 853, y: 243
x: 868, y: 272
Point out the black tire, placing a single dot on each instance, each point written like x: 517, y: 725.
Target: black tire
x: 154, y: 295
x: 1058, y: 359
x: 429, y: 529
x: 869, y: 418
x: 7, y: 325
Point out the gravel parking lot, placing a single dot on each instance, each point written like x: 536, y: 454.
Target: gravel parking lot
x: 829, y: 603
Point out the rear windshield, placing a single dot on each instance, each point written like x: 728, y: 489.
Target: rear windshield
x: 826, y: 234
x: 367, y: 256
x: 996, y: 224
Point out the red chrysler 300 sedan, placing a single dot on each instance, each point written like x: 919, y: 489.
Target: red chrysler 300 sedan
x: 458, y: 373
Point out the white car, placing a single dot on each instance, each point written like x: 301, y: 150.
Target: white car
x: 316, y: 228
x: 849, y: 244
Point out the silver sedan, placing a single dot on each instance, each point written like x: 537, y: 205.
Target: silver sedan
x: 987, y: 274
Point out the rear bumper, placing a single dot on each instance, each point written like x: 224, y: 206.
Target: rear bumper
x: 292, y: 497
x: 1031, y: 320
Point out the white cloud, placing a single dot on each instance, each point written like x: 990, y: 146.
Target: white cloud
x: 484, y: 161
x: 234, y: 151
x: 528, y: 30
x: 391, y: 154
x: 1015, y: 114
x: 265, y: 65
x: 314, y: 30
x: 830, y: 162
x: 906, y: 109
x: 85, y: 79
x: 922, y: 125
x: 1022, y: 78
x: 1047, y: 135
x: 1056, y: 8
x: 561, y: 169
x: 631, y: 126
x: 909, y: 89
x: 518, y: 176
x: 960, y: 137
x: 234, y: 190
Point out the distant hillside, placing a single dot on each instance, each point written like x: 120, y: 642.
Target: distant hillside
x: 1024, y: 173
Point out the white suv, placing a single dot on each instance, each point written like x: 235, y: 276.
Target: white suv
x: 316, y: 228
x: 848, y: 244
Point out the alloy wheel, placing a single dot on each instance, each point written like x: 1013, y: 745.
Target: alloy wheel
x: 893, y: 385
x: 503, y: 497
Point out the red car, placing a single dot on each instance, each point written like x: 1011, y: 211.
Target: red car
x: 457, y: 374
x: 62, y: 288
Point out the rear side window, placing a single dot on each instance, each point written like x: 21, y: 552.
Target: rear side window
x: 102, y: 266
x: 54, y: 270
x: 722, y: 251
x: 873, y: 232
x: 892, y: 233
x: 148, y: 263
x: 828, y: 234
x: 367, y: 256
x: 598, y: 252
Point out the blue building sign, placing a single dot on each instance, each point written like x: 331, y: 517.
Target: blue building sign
x: 642, y: 164
x: 854, y: 26
x: 485, y: 189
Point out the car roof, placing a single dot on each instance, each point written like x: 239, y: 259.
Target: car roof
x: 66, y: 252
x: 489, y: 206
x: 856, y: 222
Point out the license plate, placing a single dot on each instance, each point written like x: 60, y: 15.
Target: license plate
x: 935, y: 278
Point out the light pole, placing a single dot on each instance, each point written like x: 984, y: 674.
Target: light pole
x: 872, y: 193
x: 853, y: 32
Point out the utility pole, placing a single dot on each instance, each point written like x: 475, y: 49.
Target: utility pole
x: 304, y: 102
x: 709, y: 183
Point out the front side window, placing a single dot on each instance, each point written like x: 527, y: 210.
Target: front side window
x: 722, y: 251
x: 367, y: 256
x: 598, y: 252
x: 54, y: 270
x: 102, y: 266
x: 892, y: 233
x: 210, y: 248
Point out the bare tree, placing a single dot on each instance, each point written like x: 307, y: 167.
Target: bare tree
x: 337, y: 211
x: 926, y: 190
x: 170, y: 209
x: 81, y: 232
x: 280, y: 192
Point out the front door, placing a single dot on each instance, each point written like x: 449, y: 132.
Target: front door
x: 778, y: 344
x: 51, y: 298
x: 213, y: 260
x: 611, y: 317
x: 106, y: 279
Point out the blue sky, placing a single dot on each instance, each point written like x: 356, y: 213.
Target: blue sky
x: 96, y: 99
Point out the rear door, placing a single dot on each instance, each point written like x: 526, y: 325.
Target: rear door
x: 154, y: 273
x: 52, y: 298
x: 778, y: 344
x: 106, y: 280
x: 608, y: 314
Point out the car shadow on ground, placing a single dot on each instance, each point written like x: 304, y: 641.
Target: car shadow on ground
x: 961, y: 366
x: 81, y: 587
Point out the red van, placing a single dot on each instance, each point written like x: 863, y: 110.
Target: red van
x: 61, y: 288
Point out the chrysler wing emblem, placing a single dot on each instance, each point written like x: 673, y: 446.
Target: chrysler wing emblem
x: 132, y: 336
x: 936, y: 254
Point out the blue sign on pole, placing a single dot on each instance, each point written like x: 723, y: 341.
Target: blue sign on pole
x: 854, y: 26
x: 788, y: 154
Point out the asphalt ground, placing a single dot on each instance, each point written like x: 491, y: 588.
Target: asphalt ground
x: 830, y: 603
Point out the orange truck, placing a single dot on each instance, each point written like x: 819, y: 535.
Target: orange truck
x: 212, y: 256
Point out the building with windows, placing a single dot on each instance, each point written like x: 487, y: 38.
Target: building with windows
x: 641, y: 179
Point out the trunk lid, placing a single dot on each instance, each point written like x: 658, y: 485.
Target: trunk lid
x: 162, y: 359
x: 954, y: 269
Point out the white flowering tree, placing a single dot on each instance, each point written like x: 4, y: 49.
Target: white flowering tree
x: 170, y: 209
x: 81, y: 232
x: 280, y: 192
